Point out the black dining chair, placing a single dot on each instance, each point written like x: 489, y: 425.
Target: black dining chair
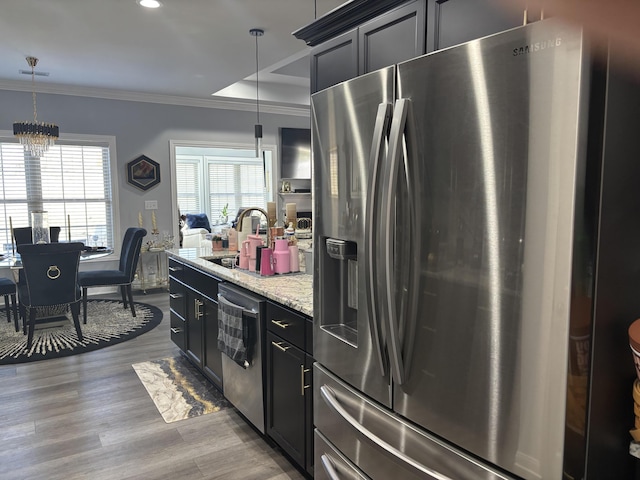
x: 50, y: 283
x: 122, y: 277
x: 24, y: 235
x: 8, y: 290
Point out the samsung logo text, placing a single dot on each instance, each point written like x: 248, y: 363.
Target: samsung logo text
x: 537, y: 46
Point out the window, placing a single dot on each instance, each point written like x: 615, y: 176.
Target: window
x: 71, y: 182
x: 208, y: 178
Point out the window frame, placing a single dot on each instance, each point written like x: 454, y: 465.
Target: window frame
x: 173, y: 144
x: 6, y: 136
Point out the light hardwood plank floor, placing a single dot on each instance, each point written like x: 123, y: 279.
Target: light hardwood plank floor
x: 89, y: 417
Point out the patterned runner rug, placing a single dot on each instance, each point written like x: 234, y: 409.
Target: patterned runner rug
x: 108, y: 323
x: 178, y: 390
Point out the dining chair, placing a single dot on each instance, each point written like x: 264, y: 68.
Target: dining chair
x: 8, y: 290
x: 131, y: 244
x: 51, y: 283
x: 24, y: 235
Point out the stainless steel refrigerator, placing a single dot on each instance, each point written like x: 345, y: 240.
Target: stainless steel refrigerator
x: 463, y: 215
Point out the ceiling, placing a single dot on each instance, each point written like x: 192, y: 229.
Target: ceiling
x: 181, y: 53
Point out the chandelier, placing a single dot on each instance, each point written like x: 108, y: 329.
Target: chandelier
x: 257, y: 32
x: 36, y: 137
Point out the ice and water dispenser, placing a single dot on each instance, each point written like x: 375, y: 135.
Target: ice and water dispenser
x: 339, y: 277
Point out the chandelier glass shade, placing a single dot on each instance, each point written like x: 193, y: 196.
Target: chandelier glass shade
x: 36, y: 137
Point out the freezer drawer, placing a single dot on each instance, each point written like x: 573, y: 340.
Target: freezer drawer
x: 331, y: 464
x: 382, y: 443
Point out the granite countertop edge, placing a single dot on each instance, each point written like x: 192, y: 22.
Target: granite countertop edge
x: 291, y: 290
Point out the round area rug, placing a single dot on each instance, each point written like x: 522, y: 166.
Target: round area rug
x: 108, y: 323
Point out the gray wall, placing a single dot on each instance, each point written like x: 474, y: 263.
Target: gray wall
x: 143, y: 129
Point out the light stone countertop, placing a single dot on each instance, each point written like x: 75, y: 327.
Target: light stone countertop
x: 293, y: 290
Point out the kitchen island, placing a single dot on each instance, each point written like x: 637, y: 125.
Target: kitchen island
x: 293, y: 290
x: 277, y: 380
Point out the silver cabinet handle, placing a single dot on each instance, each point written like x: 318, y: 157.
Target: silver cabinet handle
x: 174, y: 269
x: 381, y: 128
x: 175, y: 295
x: 329, y: 396
x: 303, y: 387
x: 176, y: 330
x: 197, y: 304
x: 280, y: 347
x: 327, y: 464
x: 280, y: 323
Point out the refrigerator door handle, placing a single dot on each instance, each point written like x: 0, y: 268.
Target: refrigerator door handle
x: 329, y: 396
x: 399, y: 125
x: 327, y: 464
x: 380, y: 132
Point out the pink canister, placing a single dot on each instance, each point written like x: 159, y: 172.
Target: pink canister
x: 281, y: 261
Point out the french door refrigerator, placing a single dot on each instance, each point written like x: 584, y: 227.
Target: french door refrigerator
x: 467, y: 214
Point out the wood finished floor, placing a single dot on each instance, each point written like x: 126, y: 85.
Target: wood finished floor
x: 89, y: 417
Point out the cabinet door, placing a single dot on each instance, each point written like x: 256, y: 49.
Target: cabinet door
x: 392, y: 38
x: 212, y: 356
x: 334, y: 61
x: 458, y: 21
x: 307, y: 386
x: 286, y: 397
x: 195, y: 326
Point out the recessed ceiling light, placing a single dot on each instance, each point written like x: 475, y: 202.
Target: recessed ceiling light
x: 149, y: 3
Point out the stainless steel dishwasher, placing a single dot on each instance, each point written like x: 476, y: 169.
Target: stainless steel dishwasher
x: 243, y: 385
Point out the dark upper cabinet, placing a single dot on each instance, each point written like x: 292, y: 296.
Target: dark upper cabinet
x: 392, y: 38
x: 458, y: 21
x: 334, y: 61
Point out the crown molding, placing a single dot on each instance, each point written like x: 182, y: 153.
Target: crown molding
x: 223, y: 104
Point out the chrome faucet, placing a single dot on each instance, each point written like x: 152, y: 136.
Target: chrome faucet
x: 251, y: 209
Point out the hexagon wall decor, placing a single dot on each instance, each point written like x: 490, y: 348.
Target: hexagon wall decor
x: 142, y: 172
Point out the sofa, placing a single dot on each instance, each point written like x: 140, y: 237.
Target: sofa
x: 194, y: 231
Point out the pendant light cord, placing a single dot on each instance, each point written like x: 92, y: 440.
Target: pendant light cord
x: 257, y: 84
x: 33, y: 94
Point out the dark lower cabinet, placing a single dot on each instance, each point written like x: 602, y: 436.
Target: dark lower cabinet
x: 289, y: 385
x: 194, y: 318
x: 212, y: 356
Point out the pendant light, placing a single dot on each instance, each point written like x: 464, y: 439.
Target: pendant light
x: 35, y: 137
x: 257, y: 32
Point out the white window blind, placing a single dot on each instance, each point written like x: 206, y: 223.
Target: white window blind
x: 209, y: 178
x: 71, y: 182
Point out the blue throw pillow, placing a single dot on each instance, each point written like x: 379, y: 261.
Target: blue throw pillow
x: 199, y: 220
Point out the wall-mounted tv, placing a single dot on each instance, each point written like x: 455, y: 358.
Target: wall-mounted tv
x: 295, y: 148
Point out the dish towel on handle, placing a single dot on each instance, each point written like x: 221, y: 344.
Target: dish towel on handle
x: 233, y: 332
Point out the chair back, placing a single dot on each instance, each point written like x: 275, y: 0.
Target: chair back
x: 54, y: 234
x: 131, y: 244
x: 22, y: 235
x: 51, y: 273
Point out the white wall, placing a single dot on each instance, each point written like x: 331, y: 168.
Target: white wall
x: 144, y: 129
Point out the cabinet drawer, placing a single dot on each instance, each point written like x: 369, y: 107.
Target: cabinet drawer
x: 176, y: 269
x: 287, y: 324
x: 201, y: 282
x: 177, y: 297
x: 178, y: 332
